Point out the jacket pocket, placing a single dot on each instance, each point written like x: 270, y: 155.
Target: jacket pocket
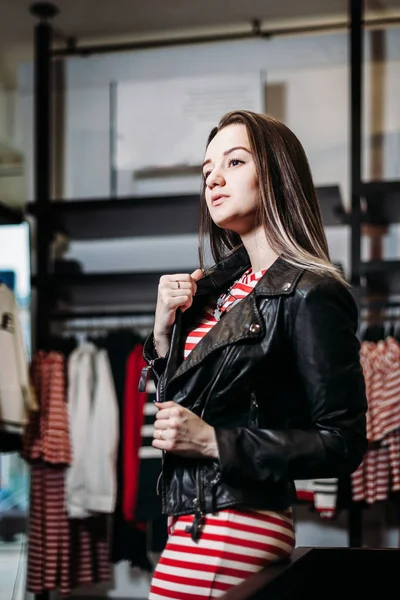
x: 253, y: 413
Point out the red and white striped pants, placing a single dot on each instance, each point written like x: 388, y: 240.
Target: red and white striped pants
x: 234, y: 544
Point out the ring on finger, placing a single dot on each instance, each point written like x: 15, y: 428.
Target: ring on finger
x: 178, y: 284
x: 161, y: 434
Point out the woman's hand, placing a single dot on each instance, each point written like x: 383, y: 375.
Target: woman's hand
x: 178, y: 430
x: 174, y: 291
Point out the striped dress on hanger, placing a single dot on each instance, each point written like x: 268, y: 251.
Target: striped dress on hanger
x: 235, y: 542
x: 378, y: 475
x: 46, y: 447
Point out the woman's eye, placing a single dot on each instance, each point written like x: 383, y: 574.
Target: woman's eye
x: 234, y: 162
x: 206, y: 174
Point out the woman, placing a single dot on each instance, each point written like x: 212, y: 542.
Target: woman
x: 257, y: 365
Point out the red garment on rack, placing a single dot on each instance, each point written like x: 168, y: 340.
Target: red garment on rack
x: 48, y: 542
x: 133, y: 420
x: 90, y: 562
x: 46, y: 435
x: 46, y: 446
x: 379, y: 473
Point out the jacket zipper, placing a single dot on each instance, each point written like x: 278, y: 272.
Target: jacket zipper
x: 253, y: 410
x: 160, y: 389
x: 253, y: 421
x: 160, y: 398
x: 198, y: 502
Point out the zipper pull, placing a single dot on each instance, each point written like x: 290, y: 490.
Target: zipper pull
x: 253, y: 415
x: 214, y: 484
x: 195, y: 528
x: 158, y: 483
x: 144, y: 376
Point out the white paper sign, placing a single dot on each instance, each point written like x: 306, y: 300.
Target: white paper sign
x: 162, y: 124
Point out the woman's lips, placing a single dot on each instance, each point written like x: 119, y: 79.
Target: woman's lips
x: 218, y: 199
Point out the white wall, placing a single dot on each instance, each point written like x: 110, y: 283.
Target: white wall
x: 11, y: 59
x: 12, y: 187
x: 7, y: 114
x: 312, y: 74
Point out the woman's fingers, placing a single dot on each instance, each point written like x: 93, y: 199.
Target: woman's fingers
x: 175, y: 280
x: 196, y: 275
x: 175, y: 292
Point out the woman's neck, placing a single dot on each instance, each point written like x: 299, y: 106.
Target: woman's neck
x: 260, y: 252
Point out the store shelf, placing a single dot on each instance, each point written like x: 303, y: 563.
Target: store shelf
x: 332, y: 208
x: 101, y: 218
x: 10, y: 216
x: 88, y: 292
x: 172, y: 171
x: 381, y: 277
x: 382, y: 202
x: 78, y: 314
x: 105, y: 218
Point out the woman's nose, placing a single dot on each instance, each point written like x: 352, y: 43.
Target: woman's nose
x: 215, y: 178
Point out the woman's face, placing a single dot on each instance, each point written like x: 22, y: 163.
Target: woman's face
x: 231, y: 187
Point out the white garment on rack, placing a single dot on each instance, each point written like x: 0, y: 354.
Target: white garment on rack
x: 80, y: 391
x: 93, y: 416
x: 103, y: 436
x: 15, y: 390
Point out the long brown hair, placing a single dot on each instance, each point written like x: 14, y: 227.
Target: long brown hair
x: 289, y: 209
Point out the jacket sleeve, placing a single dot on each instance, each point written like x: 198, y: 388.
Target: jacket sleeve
x: 327, y: 353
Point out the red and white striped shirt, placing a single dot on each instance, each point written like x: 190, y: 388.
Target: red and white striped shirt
x: 243, y: 286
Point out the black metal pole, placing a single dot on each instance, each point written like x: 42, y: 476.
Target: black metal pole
x: 356, y: 64
x: 42, y: 171
x: 356, y: 68
x: 72, y: 47
x: 42, y: 163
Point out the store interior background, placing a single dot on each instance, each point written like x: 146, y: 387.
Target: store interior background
x: 305, y: 83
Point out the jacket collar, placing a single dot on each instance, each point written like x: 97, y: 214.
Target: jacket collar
x: 280, y: 278
x: 224, y: 272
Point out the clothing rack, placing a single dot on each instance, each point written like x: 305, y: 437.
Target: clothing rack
x: 109, y: 322
x: 45, y: 282
x: 142, y: 324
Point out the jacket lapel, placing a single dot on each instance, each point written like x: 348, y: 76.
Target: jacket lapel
x: 280, y: 279
x: 234, y: 326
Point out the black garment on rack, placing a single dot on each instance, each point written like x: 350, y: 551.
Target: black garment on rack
x: 10, y: 442
x: 128, y: 543
x: 148, y: 503
x: 373, y: 333
x: 65, y: 345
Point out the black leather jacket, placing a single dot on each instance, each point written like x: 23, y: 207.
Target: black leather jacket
x: 280, y: 380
